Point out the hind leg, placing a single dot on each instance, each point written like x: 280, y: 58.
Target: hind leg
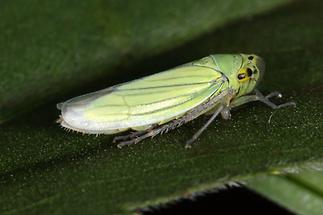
x: 134, y: 139
x: 128, y: 136
x: 139, y: 136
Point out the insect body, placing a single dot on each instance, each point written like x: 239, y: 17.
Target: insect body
x: 164, y: 101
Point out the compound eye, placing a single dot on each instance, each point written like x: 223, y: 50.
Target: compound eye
x: 250, y: 57
x: 241, y: 76
x: 249, y: 72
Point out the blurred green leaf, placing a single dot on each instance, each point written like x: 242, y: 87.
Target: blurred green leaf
x: 44, y: 169
x: 301, y: 192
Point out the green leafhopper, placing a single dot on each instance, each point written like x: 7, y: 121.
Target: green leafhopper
x: 164, y: 101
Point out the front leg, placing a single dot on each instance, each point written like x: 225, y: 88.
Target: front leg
x: 260, y: 97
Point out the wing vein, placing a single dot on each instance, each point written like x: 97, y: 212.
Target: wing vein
x: 179, y: 77
x: 143, y: 104
x: 165, y: 108
x: 165, y: 86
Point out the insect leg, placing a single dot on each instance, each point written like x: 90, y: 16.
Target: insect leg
x: 260, y: 97
x: 151, y: 133
x: 139, y: 138
x: 128, y: 136
x: 272, y: 94
x: 265, y: 99
x: 199, y: 132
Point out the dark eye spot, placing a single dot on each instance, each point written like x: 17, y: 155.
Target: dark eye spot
x: 250, y: 57
x: 249, y: 72
x: 241, y: 76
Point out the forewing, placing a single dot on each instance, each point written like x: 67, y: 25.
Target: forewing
x: 155, y: 99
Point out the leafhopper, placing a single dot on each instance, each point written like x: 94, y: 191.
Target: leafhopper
x: 161, y: 102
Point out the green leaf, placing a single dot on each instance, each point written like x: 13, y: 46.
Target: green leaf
x: 49, y: 48
x: 45, y: 170
x: 301, y: 192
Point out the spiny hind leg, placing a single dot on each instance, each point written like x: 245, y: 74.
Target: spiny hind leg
x: 134, y: 139
x: 129, y: 136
